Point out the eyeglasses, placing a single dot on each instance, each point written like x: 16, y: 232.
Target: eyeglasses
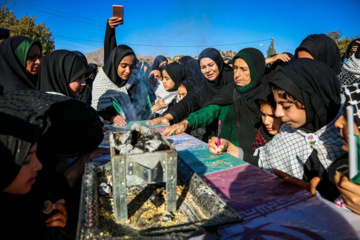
x: 33, y: 58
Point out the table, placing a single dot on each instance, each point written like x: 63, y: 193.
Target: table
x: 270, y: 207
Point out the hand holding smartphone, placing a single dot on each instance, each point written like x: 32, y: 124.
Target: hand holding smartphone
x: 118, y: 11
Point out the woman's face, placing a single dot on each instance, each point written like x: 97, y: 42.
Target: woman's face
x: 270, y: 121
x: 289, y: 113
x: 33, y: 60
x: 163, y: 64
x: 182, y: 92
x: 241, y: 73
x: 167, y: 81
x: 209, y: 68
x: 76, y: 87
x: 342, y: 124
x: 155, y: 75
x: 126, y: 67
x: 27, y: 174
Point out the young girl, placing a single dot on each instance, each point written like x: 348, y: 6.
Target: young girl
x: 114, y: 85
x: 307, y: 96
x: 63, y: 72
x: 22, y: 207
x: 172, y: 74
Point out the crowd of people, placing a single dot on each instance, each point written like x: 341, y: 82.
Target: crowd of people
x: 285, y: 114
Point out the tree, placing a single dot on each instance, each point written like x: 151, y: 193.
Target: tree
x: 342, y: 43
x: 26, y: 26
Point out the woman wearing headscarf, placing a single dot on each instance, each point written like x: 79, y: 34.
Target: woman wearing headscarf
x: 112, y: 87
x: 352, y: 65
x: 235, y: 106
x: 216, y: 75
x: 160, y: 61
x: 19, y: 63
x: 63, y: 72
x: 322, y: 48
x: 351, y: 49
x: 21, y: 198
x: 70, y: 133
x: 192, y: 69
x: 307, y: 95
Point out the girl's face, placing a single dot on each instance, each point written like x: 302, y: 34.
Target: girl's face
x: 182, y: 92
x: 289, y: 113
x: 167, y: 81
x: 27, y: 174
x: 33, y: 60
x: 270, y: 121
x: 241, y: 73
x: 209, y: 69
x: 126, y: 67
x: 155, y: 75
x: 163, y: 64
x: 76, y: 87
x: 342, y: 124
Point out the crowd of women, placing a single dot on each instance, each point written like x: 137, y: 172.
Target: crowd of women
x: 285, y: 114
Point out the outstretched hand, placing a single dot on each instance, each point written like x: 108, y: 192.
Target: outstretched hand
x: 59, y: 219
x: 311, y: 187
x: 119, y: 120
x: 158, y: 121
x: 214, y: 148
x: 176, y: 128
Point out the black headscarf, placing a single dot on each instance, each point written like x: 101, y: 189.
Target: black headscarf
x: 159, y: 59
x: 347, y: 53
x: 323, y: 49
x: 314, y: 85
x: 176, y: 73
x: 85, y: 96
x: 226, y: 75
x: 66, y: 125
x: 16, y: 139
x: 13, y: 74
x: 58, y: 69
x: 111, y: 65
x: 192, y: 69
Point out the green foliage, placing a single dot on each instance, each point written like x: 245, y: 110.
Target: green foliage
x: 26, y: 26
x: 342, y: 43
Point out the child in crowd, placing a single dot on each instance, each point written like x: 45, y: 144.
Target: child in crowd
x: 307, y: 95
x: 31, y: 210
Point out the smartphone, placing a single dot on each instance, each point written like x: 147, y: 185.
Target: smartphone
x: 118, y: 11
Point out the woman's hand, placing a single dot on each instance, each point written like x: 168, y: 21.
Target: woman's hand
x: 311, y: 187
x: 213, y: 148
x: 350, y: 192
x: 59, y: 219
x: 160, y: 104
x: 158, y: 121
x: 115, y: 21
x: 176, y: 128
x: 119, y: 120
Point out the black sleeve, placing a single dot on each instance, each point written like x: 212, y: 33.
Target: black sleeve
x: 108, y: 113
x: 253, y: 160
x: 183, y: 108
x: 109, y: 41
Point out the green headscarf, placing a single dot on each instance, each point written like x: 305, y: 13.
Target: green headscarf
x: 23, y: 49
x: 253, y: 70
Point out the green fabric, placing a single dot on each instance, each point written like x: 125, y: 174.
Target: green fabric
x: 211, y: 113
x: 356, y: 178
x: 22, y: 50
x: 253, y: 70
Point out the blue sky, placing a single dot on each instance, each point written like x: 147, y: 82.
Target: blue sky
x: 186, y: 27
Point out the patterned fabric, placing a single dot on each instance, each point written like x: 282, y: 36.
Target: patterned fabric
x: 353, y: 66
x: 166, y: 96
x: 289, y: 150
x: 352, y: 94
x: 259, y: 140
x: 346, y: 78
x: 104, y: 91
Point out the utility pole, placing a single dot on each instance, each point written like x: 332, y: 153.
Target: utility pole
x: 272, y: 46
